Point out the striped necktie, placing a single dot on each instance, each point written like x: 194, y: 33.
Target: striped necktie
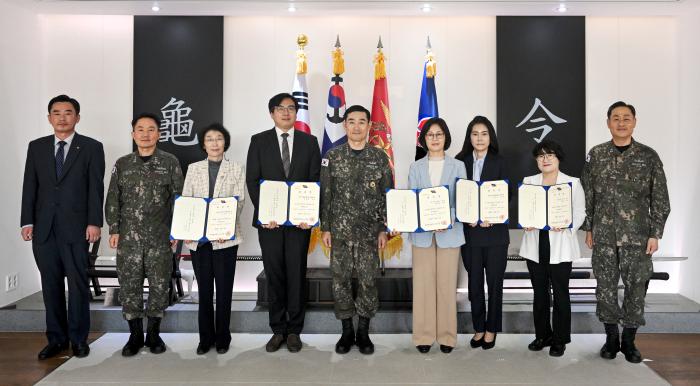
x: 59, y: 159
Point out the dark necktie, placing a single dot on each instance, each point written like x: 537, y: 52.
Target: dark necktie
x: 59, y: 159
x: 286, y: 162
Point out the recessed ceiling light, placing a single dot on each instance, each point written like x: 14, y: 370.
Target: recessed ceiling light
x: 292, y: 8
x: 562, y: 8
x: 155, y: 7
x: 426, y: 8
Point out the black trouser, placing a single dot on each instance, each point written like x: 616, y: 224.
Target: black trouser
x: 284, y: 251
x: 492, y: 260
x: 543, y: 275
x: 214, y: 267
x: 58, y: 260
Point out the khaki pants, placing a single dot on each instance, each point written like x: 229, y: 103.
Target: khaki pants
x: 435, y: 295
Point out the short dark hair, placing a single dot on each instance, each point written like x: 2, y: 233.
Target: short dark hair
x: 426, y: 127
x: 467, y: 148
x: 621, y: 104
x: 215, y: 127
x: 152, y: 116
x: 356, y: 108
x: 277, y: 99
x: 67, y: 99
x: 549, y: 147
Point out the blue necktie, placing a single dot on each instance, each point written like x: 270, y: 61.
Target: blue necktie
x: 59, y: 159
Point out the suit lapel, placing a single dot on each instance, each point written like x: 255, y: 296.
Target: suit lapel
x: 446, y: 172
x: 295, y: 152
x: 73, y: 151
x: 469, y: 165
x: 49, y: 148
x: 220, y: 178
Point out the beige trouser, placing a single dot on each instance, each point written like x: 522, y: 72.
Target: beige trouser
x: 435, y: 295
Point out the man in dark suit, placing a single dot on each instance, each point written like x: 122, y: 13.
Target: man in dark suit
x: 61, y: 213
x: 283, y: 154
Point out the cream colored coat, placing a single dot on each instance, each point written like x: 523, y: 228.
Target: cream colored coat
x: 563, y: 246
x: 230, y: 181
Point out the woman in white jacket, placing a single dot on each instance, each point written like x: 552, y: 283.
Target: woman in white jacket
x: 549, y: 255
x: 214, y: 262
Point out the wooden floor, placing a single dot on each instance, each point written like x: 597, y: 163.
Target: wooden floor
x: 676, y: 357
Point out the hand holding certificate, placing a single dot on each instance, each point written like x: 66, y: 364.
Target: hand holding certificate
x: 192, y: 220
x: 420, y: 210
x: 545, y: 207
x: 289, y: 203
x: 479, y: 202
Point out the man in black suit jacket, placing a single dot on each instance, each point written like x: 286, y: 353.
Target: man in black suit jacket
x: 61, y: 213
x: 283, y: 154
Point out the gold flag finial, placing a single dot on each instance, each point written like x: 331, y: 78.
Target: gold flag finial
x: 430, y: 65
x: 379, y: 65
x: 338, y: 61
x: 302, y: 41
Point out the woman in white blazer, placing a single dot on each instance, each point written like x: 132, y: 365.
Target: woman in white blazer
x: 549, y: 255
x: 436, y: 254
x: 214, y: 262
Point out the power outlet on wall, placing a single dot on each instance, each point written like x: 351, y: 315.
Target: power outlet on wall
x: 11, y: 282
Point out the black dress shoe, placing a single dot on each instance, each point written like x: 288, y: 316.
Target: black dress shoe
x: 423, y: 348
x: 557, y: 350
x: 274, y: 343
x: 293, y: 343
x: 203, y: 348
x: 51, y: 350
x: 476, y: 343
x: 446, y: 349
x: 489, y: 345
x: 81, y: 350
x: 222, y: 349
x: 538, y: 344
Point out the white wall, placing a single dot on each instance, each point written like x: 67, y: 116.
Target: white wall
x: 634, y: 59
x: 22, y: 121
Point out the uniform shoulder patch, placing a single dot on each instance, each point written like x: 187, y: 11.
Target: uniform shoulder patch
x: 324, y: 162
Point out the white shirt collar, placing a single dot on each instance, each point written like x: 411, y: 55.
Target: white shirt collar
x: 280, y: 132
x: 67, y: 140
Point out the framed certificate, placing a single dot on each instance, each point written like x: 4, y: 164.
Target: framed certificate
x: 418, y: 210
x: 289, y: 203
x: 204, y: 219
x: 479, y: 201
x: 545, y: 207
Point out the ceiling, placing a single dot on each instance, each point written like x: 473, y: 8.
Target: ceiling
x: 363, y: 7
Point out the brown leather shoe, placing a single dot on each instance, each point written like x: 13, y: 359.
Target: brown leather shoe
x: 274, y: 343
x: 293, y: 343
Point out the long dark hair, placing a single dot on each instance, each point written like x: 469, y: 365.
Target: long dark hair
x: 467, y: 148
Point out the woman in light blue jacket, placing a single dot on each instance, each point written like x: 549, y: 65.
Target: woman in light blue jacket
x: 436, y: 254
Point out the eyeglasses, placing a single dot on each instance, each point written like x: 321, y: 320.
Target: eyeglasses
x: 281, y: 109
x: 435, y: 135
x: 548, y: 157
x: 214, y: 140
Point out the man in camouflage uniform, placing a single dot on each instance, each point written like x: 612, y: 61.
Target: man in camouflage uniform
x: 354, y: 178
x: 626, y: 208
x: 139, y: 211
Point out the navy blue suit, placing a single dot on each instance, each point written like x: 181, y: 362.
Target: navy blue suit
x: 60, y: 208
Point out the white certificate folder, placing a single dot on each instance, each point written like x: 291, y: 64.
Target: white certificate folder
x: 204, y: 219
x: 545, y: 207
x: 418, y: 210
x: 289, y: 203
x: 480, y: 201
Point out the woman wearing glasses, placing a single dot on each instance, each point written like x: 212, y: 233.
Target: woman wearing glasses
x: 214, y: 262
x: 436, y: 254
x: 549, y: 254
x: 486, y: 247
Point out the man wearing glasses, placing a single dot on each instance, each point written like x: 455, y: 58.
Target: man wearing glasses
x: 626, y: 208
x: 283, y: 154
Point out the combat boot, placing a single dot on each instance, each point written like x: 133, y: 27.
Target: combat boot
x: 153, y: 340
x: 363, y: 342
x: 628, y: 348
x: 347, y: 339
x: 612, y: 342
x: 135, y: 342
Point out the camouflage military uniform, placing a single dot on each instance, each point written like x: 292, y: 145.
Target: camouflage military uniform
x: 139, y: 209
x: 353, y: 205
x: 626, y: 204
